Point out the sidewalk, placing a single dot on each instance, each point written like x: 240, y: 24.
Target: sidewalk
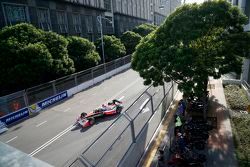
x: 220, y: 147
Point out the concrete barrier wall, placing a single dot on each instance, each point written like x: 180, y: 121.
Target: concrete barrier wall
x: 96, y: 80
x: 231, y: 81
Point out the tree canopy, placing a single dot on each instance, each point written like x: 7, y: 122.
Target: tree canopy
x: 144, y: 29
x: 29, y: 56
x: 57, y: 45
x: 113, y: 47
x: 195, y: 42
x: 83, y: 53
x: 130, y: 40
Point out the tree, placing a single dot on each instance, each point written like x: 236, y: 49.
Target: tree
x: 130, y: 40
x: 195, y: 42
x: 144, y: 29
x: 29, y: 56
x: 83, y: 53
x: 113, y: 47
x: 57, y: 46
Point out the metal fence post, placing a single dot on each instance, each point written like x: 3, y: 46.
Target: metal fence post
x: 133, y: 131
x: 25, y: 97
x: 105, y: 71
x: 92, y: 73
x: 172, y: 90
x: 75, y: 77
x: 132, y: 126
x: 85, y: 159
x: 164, y: 90
x: 123, y: 60
x: 152, y: 104
x: 54, y: 87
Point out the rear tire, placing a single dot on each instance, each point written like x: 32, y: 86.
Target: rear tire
x: 92, y: 121
x: 118, y: 109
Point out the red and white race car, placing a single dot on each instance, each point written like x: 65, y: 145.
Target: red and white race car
x: 88, y: 119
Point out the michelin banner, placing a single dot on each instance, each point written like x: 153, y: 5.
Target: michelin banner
x: 15, y: 116
x: 47, y: 102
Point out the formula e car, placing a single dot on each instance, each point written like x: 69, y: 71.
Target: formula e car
x: 88, y: 119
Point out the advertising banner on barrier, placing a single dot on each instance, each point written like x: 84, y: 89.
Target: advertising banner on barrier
x: 47, y: 102
x: 3, y: 127
x: 15, y: 116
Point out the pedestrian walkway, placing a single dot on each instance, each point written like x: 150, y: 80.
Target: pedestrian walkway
x: 162, y: 137
x: 220, y: 147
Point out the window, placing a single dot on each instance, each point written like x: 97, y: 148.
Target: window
x: 119, y: 6
x: 15, y: 13
x: 98, y: 25
x: 107, y: 5
x: 109, y: 25
x: 62, y: 22
x: 77, y: 23
x: 44, y: 19
x: 89, y: 23
x: 121, y: 27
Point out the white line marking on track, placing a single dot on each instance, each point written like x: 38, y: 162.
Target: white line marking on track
x: 51, y: 141
x: 145, y: 110
x: 41, y: 123
x: 121, y: 98
x: 11, y: 139
x: 67, y: 109
x: 143, y: 104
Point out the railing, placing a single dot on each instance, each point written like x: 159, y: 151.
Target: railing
x: 125, y: 140
x: 25, y: 98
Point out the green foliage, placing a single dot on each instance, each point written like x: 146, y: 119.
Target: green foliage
x: 30, y: 56
x: 236, y: 97
x: 196, y: 41
x: 83, y: 53
x: 144, y: 29
x: 57, y: 46
x: 113, y: 47
x: 241, y: 134
x: 130, y: 40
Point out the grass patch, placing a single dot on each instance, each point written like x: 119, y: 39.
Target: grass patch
x: 241, y: 133
x: 237, y: 100
x: 236, y: 97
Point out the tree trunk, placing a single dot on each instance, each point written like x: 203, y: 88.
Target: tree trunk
x: 205, y: 99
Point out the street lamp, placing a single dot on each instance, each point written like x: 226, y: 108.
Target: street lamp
x: 99, y: 19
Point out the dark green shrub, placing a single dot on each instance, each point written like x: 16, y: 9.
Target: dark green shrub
x: 83, y: 53
x: 130, y: 39
x: 144, y: 29
x: 113, y: 48
x: 29, y: 56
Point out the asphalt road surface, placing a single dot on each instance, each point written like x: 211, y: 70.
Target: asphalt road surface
x: 50, y: 136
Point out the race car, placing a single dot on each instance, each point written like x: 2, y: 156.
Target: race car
x: 88, y: 119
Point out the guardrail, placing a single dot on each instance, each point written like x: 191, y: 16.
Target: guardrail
x: 125, y: 140
x: 14, y: 106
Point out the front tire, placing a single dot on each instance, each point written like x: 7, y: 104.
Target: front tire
x: 91, y: 121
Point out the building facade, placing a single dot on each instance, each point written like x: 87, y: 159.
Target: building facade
x: 79, y: 17
x: 244, y: 5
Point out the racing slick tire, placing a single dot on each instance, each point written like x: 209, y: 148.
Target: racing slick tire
x: 92, y: 121
x: 118, y: 109
x: 83, y: 114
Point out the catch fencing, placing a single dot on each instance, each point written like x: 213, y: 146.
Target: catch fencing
x: 123, y: 143
x: 25, y: 98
